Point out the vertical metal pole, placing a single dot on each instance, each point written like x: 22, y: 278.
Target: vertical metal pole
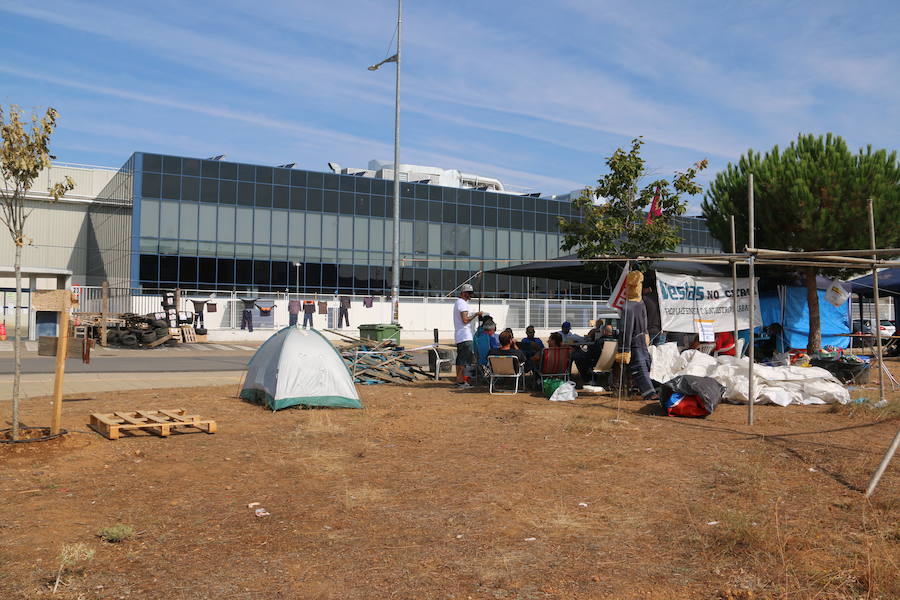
x: 734, y: 286
x: 751, y: 392
x: 876, y: 326
x: 104, y: 311
x: 395, y: 266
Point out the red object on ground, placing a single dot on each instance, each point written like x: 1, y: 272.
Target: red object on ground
x: 725, y: 339
x: 689, y: 406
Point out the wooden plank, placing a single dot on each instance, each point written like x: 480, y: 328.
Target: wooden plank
x: 159, y: 341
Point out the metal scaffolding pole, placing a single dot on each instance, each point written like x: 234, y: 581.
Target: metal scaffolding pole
x: 751, y: 240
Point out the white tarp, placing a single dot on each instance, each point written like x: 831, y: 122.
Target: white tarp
x: 688, y: 303
x: 775, y: 385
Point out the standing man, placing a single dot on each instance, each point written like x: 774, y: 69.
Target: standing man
x: 462, y: 324
x: 654, y: 319
x: 344, y: 311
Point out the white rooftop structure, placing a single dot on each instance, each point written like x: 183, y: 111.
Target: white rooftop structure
x: 426, y: 174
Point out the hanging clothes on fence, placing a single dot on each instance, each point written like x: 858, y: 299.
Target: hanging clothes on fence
x: 265, y: 308
x: 293, y: 311
x: 344, y: 311
x: 247, y: 313
x: 199, y: 305
x: 368, y: 301
x: 323, y: 308
x: 309, y: 309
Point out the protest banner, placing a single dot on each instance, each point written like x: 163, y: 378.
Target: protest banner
x: 688, y: 303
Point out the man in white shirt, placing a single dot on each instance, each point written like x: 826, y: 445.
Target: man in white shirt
x: 569, y: 337
x: 463, y: 325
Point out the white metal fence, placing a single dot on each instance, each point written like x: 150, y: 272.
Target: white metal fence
x: 417, y: 313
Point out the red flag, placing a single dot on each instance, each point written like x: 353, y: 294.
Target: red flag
x: 655, y: 210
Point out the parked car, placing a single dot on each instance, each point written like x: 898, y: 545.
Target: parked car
x: 886, y: 329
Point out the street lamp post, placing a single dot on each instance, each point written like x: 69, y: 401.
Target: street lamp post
x: 395, y: 262
x: 297, y: 279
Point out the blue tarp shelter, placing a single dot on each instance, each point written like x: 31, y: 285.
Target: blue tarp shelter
x: 788, y: 307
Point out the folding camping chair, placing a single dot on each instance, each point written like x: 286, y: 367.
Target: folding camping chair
x: 505, y: 367
x: 555, y: 362
x: 607, y: 358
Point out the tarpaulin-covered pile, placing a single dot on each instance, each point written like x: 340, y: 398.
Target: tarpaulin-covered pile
x: 776, y: 385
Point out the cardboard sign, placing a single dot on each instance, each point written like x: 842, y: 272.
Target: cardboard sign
x: 52, y: 300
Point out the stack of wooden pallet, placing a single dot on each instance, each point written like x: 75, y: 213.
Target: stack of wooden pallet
x: 371, y: 361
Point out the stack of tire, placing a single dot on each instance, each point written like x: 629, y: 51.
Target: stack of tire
x: 122, y: 337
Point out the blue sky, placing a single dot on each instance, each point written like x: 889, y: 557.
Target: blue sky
x: 535, y: 93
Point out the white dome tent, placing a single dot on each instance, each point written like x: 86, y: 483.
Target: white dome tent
x: 299, y: 367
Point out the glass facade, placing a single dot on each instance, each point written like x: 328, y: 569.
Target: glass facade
x: 221, y: 225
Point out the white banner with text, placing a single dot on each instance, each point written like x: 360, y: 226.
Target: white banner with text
x: 690, y: 304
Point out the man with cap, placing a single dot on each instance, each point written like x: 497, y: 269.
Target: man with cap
x: 463, y: 326
x: 569, y: 337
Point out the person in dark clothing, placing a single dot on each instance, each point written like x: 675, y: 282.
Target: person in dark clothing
x: 531, y: 346
x: 309, y: 309
x: 654, y: 319
x: 293, y: 311
x: 634, y: 332
x: 247, y: 313
x: 506, y: 349
x: 344, y: 311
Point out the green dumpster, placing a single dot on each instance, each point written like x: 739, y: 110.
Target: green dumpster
x: 380, y: 332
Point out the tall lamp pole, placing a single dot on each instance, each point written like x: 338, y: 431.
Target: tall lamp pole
x: 297, y: 280
x: 395, y: 262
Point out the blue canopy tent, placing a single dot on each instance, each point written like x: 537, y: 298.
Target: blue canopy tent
x: 787, y: 306
x: 888, y: 285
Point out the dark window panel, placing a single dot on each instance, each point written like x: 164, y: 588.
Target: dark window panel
x: 332, y: 202
x: 515, y: 202
x: 153, y: 162
x: 172, y: 165
x: 491, y: 199
x: 298, y: 178
x: 261, y: 272
x: 540, y: 221
x: 447, y: 280
x: 315, y: 180
x: 263, y: 194
x: 434, y: 279
x: 314, y: 200
x: 149, y: 267
x: 187, y: 270
x: 376, y: 203
x: 490, y: 217
x: 347, y: 183
x: 380, y: 186
x: 329, y: 277
x: 420, y: 282
x: 421, y: 210
x: 225, y: 270
x: 298, y: 199
x: 362, y: 205
x: 376, y: 279
x: 449, y: 213
x: 434, y: 193
x: 245, y: 193
x: 171, y: 187
x: 281, y: 197
x: 264, y: 174
x: 150, y: 185
x: 504, y: 201
x: 345, y: 278
x: 168, y: 268
x: 406, y: 190
x: 280, y: 274
x: 389, y: 208
x: 190, y: 189
x: 463, y: 214
x: 406, y: 208
x: 246, y: 173
x: 209, y: 168
x: 363, y: 185
x: 473, y: 198
x: 206, y: 270
x: 228, y: 170
x: 421, y: 191
x: 345, y: 206
x: 282, y: 177
x: 490, y: 283
x: 330, y: 181
x: 478, y: 215
x: 361, y: 277
x: 228, y: 192
x: 313, y: 273
x: 515, y: 219
x: 435, y: 212
x: 210, y: 191
x: 243, y: 272
x: 190, y: 166
x: 528, y: 221
x: 528, y: 203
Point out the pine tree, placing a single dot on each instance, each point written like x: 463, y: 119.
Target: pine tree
x: 812, y: 196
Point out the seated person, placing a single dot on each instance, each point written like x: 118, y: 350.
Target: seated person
x: 608, y: 333
x: 596, y: 330
x: 515, y: 344
x: 485, y: 340
x: 506, y: 349
x: 568, y: 337
x: 774, y: 344
x: 531, y: 345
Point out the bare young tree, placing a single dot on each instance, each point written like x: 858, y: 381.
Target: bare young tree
x: 23, y: 155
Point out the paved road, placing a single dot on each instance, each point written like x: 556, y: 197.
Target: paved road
x: 146, y: 363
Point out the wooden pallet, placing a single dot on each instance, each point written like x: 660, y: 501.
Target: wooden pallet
x: 159, y: 422
x: 188, y: 335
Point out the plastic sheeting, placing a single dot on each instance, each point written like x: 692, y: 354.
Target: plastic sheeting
x: 835, y: 320
x: 774, y: 385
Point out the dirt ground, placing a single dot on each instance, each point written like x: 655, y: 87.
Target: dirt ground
x: 434, y: 493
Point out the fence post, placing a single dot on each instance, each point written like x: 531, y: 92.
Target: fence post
x: 546, y: 313
x: 104, y: 312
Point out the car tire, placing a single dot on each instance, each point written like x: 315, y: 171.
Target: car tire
x: 128, y: 339
x: 148, y: 338
x: 200, y: 331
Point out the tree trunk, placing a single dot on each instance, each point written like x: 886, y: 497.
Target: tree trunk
x: 17, y: 344
x: 814, y: 343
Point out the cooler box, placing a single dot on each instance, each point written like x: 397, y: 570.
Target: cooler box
x: 380, y: 332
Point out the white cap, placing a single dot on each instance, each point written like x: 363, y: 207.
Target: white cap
x: 466, y: 288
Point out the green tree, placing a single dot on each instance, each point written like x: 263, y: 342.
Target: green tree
x: 812, y: 196
x: 614, y: 213
x: 23, y: 155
